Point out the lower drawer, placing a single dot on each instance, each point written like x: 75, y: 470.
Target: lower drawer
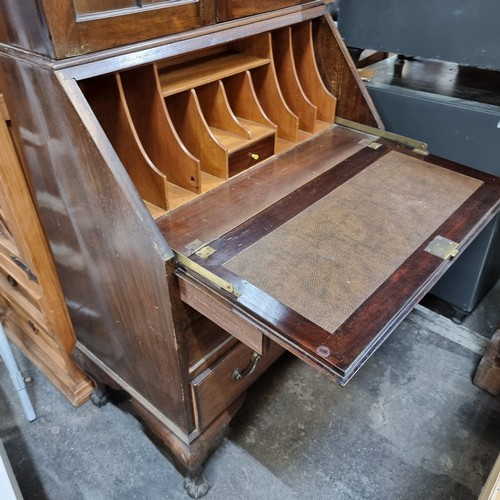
x: 218, y: 386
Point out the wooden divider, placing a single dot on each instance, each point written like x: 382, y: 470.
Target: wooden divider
x: 243, y: 99
x: 156, y: 131
x: 307, y: 69
x: 218, y: 112
x: 289, y: 80
x: 267, y: 89
x: 195, y: 133
x: 105, y: 96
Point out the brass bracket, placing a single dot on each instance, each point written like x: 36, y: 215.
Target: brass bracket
x: 205, y: 252
x: 370, y: 144
x: 443, y: 247
x: 417, y: 146
x: 199, y: 248
x: 205, y: 273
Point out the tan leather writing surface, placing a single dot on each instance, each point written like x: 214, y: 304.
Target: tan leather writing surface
x: 325, y: 262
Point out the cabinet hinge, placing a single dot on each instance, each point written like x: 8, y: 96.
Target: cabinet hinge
x: 199, y: 248
x: 443, y: 248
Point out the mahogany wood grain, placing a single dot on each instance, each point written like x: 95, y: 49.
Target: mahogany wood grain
x: 289, y: 80
x: 340, y: 75
x: 179, y: 45
x: 195, y: 133
x: 250, y: 155
x: 206, y: 342
x: 218, y: 311
x: 214, y: 389
x: 155, y: 129
x: 22, y: 25
x: 105, y: 95
x: 230, y: 9
x: 487, y: 376
x: 105, y: 266
x: 311, y: 81
x: 243, y: 99
x: 104, y: 32
x: 189, y: 457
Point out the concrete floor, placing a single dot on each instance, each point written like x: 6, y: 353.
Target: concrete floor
x: 410, y: 425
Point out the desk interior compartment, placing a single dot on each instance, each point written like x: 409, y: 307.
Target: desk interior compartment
x: 186, y: 124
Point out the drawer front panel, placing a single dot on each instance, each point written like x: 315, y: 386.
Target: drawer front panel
x: 222, y: 314
x: 251, y: 155
x: 216, y: 388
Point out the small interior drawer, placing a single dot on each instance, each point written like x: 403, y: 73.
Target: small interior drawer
x: 251, y: 155
x: 218, y: 386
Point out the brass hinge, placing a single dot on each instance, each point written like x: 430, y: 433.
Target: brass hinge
x: 205, y: 252
x: 199, y: 248
x: 417, y: 146
x: 205, y: 273
x: 370, y: 144
x: 443, y: 247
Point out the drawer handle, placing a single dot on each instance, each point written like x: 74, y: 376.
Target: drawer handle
x: 254, y: 156
x: 239, y: 374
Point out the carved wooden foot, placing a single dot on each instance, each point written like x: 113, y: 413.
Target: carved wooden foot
x: 196, y: 484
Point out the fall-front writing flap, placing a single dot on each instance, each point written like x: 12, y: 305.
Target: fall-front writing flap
x: 330, y: 269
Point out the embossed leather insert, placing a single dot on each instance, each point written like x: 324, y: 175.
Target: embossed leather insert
x: 325, y: 262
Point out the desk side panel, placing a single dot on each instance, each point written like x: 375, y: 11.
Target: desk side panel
x: 111, y: 259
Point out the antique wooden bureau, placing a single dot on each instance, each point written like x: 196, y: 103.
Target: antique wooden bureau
x: 216, y: 187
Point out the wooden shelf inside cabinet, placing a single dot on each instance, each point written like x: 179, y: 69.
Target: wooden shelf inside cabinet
x: 191, y: 75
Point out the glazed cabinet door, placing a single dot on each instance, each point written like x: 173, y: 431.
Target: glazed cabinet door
x: 74, y: 27
x: 229, y: 9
